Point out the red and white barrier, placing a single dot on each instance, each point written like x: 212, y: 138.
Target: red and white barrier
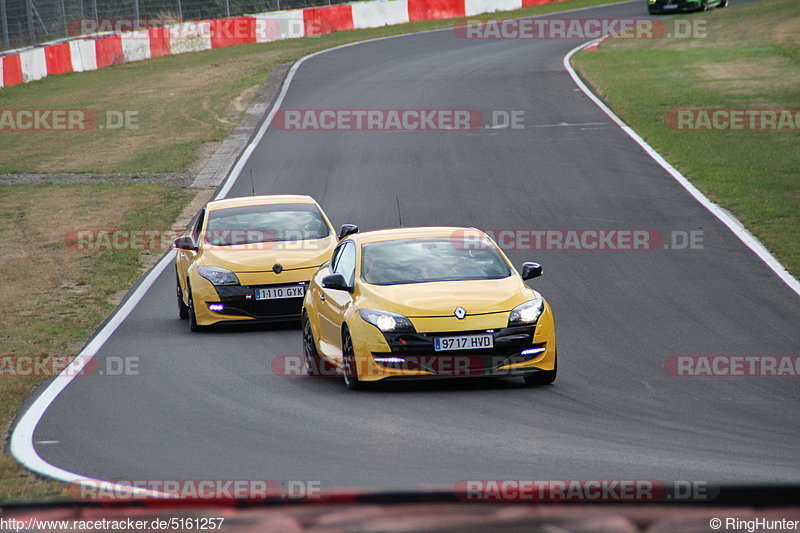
x: 279, y: 25
x: 476, y: 7
x: 92, y: 52
x: 82, y: 55
x: 380, y: 13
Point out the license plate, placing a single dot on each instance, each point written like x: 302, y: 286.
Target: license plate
x: 675, y: 6
x: 463, y: 342
x: 276, y: 293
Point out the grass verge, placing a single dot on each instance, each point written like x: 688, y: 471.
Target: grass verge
x: 747, y: 57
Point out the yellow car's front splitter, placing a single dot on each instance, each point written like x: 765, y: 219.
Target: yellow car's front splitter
x: 515, y: 351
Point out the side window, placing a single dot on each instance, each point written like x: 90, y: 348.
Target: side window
x: 346, y: 262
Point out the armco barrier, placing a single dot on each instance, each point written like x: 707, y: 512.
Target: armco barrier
x: 279, y: 25
x: 58, y: 59
x: 91, y: 52
x: 109, y: 50
x: 34, y: 64
x: 476, y: 7
x: 435, y: 9
x: 83, y: 55
x: 381, y: 13
x: 328, y: 19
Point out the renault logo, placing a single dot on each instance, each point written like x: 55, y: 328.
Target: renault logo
x: 277, y: 268
x: 460, y: 313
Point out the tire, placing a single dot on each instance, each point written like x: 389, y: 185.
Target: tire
x: 193, y: 325
x: 704, y: 5
x: 724, y: 3
x: 183, y: 309
x: 314, y: 364
x: 349, y: 369
x: 542, y: 377
x: 651, y: 11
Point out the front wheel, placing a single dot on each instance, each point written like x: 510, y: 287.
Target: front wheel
x: 193, y: 325
x: 543, y: 377
x: 724, y: 3
x: 183, y: 309
x: 349, y: 369
x: 315, y: 365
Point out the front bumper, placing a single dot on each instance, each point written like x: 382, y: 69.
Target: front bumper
x: 516, y: 350
x: 239, y: 304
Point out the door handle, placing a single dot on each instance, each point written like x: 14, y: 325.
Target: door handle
x: 321, y: 296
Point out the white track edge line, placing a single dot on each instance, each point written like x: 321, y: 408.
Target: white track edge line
x: 21, y: 442
x: 724, y: 216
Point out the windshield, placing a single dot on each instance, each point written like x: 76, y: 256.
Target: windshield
x: 428, y: 259
x: 265, y: 223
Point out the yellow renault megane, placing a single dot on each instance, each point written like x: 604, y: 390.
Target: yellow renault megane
x: 426, y: 303
x: 250, y: 259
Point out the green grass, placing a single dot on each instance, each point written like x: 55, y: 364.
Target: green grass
x: 749, y: 58
x: 183, y: 101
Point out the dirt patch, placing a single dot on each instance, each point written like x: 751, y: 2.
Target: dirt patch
x: 749, y: 76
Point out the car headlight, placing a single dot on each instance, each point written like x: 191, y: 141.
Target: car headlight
x: 386, y: 321
x: 218, y: 276
x: 527, y: 313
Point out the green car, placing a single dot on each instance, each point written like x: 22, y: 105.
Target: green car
x: 682, y: 6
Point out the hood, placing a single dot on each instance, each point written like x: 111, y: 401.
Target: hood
x: 440, y: 298
x: 262, y: 256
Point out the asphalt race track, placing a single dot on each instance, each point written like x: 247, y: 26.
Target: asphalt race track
x: 209, y: 406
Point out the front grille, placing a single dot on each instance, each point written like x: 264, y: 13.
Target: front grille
x: 236, y: 302
x: 417, y: 352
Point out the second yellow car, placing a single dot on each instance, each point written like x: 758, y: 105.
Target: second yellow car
x: 250, y: 259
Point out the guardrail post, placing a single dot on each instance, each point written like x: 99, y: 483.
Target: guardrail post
x: 31, y: 30
x: 64, y: 18
x: 6, y: 43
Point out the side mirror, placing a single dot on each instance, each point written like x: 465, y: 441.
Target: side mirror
x: 185, y: 242
x: 347, y: 229
x: 336, y: 282
x: 531, y: 270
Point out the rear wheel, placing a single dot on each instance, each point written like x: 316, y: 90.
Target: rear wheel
x: 543, y: 377
x: 349, y: 369
x: 704, y: 5
x: 724, y: 3
x: 183, y: 309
